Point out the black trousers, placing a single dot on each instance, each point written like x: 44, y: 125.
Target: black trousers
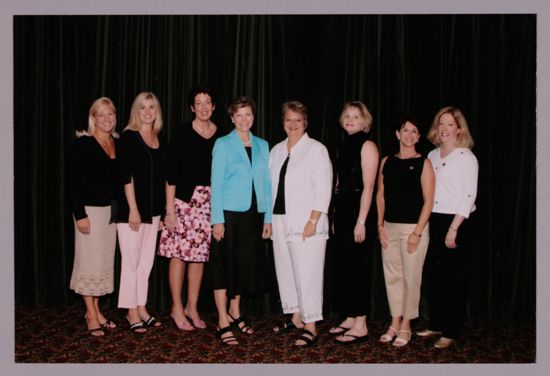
x: 353, y: 261
x: 446, y: 274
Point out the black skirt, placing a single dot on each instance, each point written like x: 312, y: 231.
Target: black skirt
x: 238, y: 263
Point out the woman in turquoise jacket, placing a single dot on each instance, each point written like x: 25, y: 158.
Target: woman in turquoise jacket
x: 240, y: 215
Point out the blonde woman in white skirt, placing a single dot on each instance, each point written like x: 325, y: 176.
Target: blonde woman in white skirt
x: 93, y: 187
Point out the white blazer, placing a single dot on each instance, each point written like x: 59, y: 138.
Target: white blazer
x: 308, y: 183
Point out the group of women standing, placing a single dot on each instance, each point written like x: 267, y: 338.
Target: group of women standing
x: 215, y: 198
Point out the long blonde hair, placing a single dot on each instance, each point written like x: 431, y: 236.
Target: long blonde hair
x: 103, y: 101
x: 464, y: 138
x: 135, y: 123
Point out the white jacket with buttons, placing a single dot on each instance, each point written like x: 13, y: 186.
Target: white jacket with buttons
x: 308, y: 183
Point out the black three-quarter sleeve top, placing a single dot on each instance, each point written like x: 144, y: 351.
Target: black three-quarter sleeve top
x: 94, y: 176
x: 147, y: 168
x: 189, y: 160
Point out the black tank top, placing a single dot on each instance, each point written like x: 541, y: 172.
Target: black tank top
x: 403, y: 189
x: 348, y: 163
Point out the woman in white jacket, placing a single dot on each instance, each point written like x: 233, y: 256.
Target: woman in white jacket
x: 301, y: 175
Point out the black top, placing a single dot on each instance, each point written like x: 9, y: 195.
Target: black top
x: 348, y: 163
x: 403, y: 189
x: 253, y: 204
x: 189, y: 160
x: 147, y: 167
x: 94, y: 176
x: 279, y: 207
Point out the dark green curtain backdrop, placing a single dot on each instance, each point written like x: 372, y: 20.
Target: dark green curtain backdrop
x: 484, y: 64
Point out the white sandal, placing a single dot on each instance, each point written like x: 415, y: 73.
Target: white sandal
x: 400, y: 342
x: 385, y: 338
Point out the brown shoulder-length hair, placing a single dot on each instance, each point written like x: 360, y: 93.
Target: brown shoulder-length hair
x: 135, y: 123
x: 464, y: 138
x: 363, y: 110
x: 241, y: 102
x: 103, y: 101
x: 295, y: 106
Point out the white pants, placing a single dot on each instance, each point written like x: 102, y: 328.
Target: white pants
x: 137, y: 250
x: 299, y: 265
x: 403, y: 270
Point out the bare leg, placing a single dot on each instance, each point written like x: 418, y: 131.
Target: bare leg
x: 359, y: 329
x: 145, y: 316
x: 346, y: 324
x: 176, y: 274
x: 404, y: 333
x: 91, y: 317
x: 194, y: 278
x: 235, y: 306
x: 392, y: 329
x: 103, y: 321
x: 296, y: 320
x: 310, y: 326
x: 133, y: 317
x: 220, y: 299
x: 235, y: 312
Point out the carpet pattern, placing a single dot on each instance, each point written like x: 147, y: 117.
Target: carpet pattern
x: 58, y: 335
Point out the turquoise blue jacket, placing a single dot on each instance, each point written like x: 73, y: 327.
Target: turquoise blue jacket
x: 233, y: 174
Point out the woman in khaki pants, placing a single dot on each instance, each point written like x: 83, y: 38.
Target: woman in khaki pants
x: 404, y: 200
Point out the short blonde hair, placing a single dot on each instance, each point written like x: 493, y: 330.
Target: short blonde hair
x: 103, y: 101
x: 464, y: 138
x: 135, y: 123
x: 363, y: 110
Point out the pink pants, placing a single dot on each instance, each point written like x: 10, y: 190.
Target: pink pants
x: 137, y: 249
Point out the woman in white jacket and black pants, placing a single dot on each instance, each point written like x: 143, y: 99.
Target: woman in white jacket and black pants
x: 301, y: 175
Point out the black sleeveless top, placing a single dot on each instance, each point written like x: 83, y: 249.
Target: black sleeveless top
x: 403, y: 189
x: 348, y: 163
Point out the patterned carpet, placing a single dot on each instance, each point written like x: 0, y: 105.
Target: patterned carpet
x: 58, y: 335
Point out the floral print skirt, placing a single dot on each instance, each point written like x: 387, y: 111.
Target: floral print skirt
x: 190, y: 241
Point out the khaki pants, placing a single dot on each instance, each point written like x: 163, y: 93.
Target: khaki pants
x: 403, y: 270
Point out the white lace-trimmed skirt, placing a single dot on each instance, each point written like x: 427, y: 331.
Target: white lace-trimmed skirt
x: 94, y: 254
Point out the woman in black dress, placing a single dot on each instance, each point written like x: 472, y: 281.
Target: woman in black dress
x: 354, y: 221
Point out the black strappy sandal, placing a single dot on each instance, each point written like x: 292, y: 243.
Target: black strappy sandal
x: 108, y: 324
x: 236, y: 323
x: 286, y: 327
x: 137, y: 326
x: 308, y: 337
x: 227, y: 340
x: 151, y: 322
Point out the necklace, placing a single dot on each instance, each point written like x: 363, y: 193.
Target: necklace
x: 202, y: 129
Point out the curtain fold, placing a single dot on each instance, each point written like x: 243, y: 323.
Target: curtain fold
x: 396, y: 64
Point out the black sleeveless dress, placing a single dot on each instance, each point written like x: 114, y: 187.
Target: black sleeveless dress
x: 353, y: 261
